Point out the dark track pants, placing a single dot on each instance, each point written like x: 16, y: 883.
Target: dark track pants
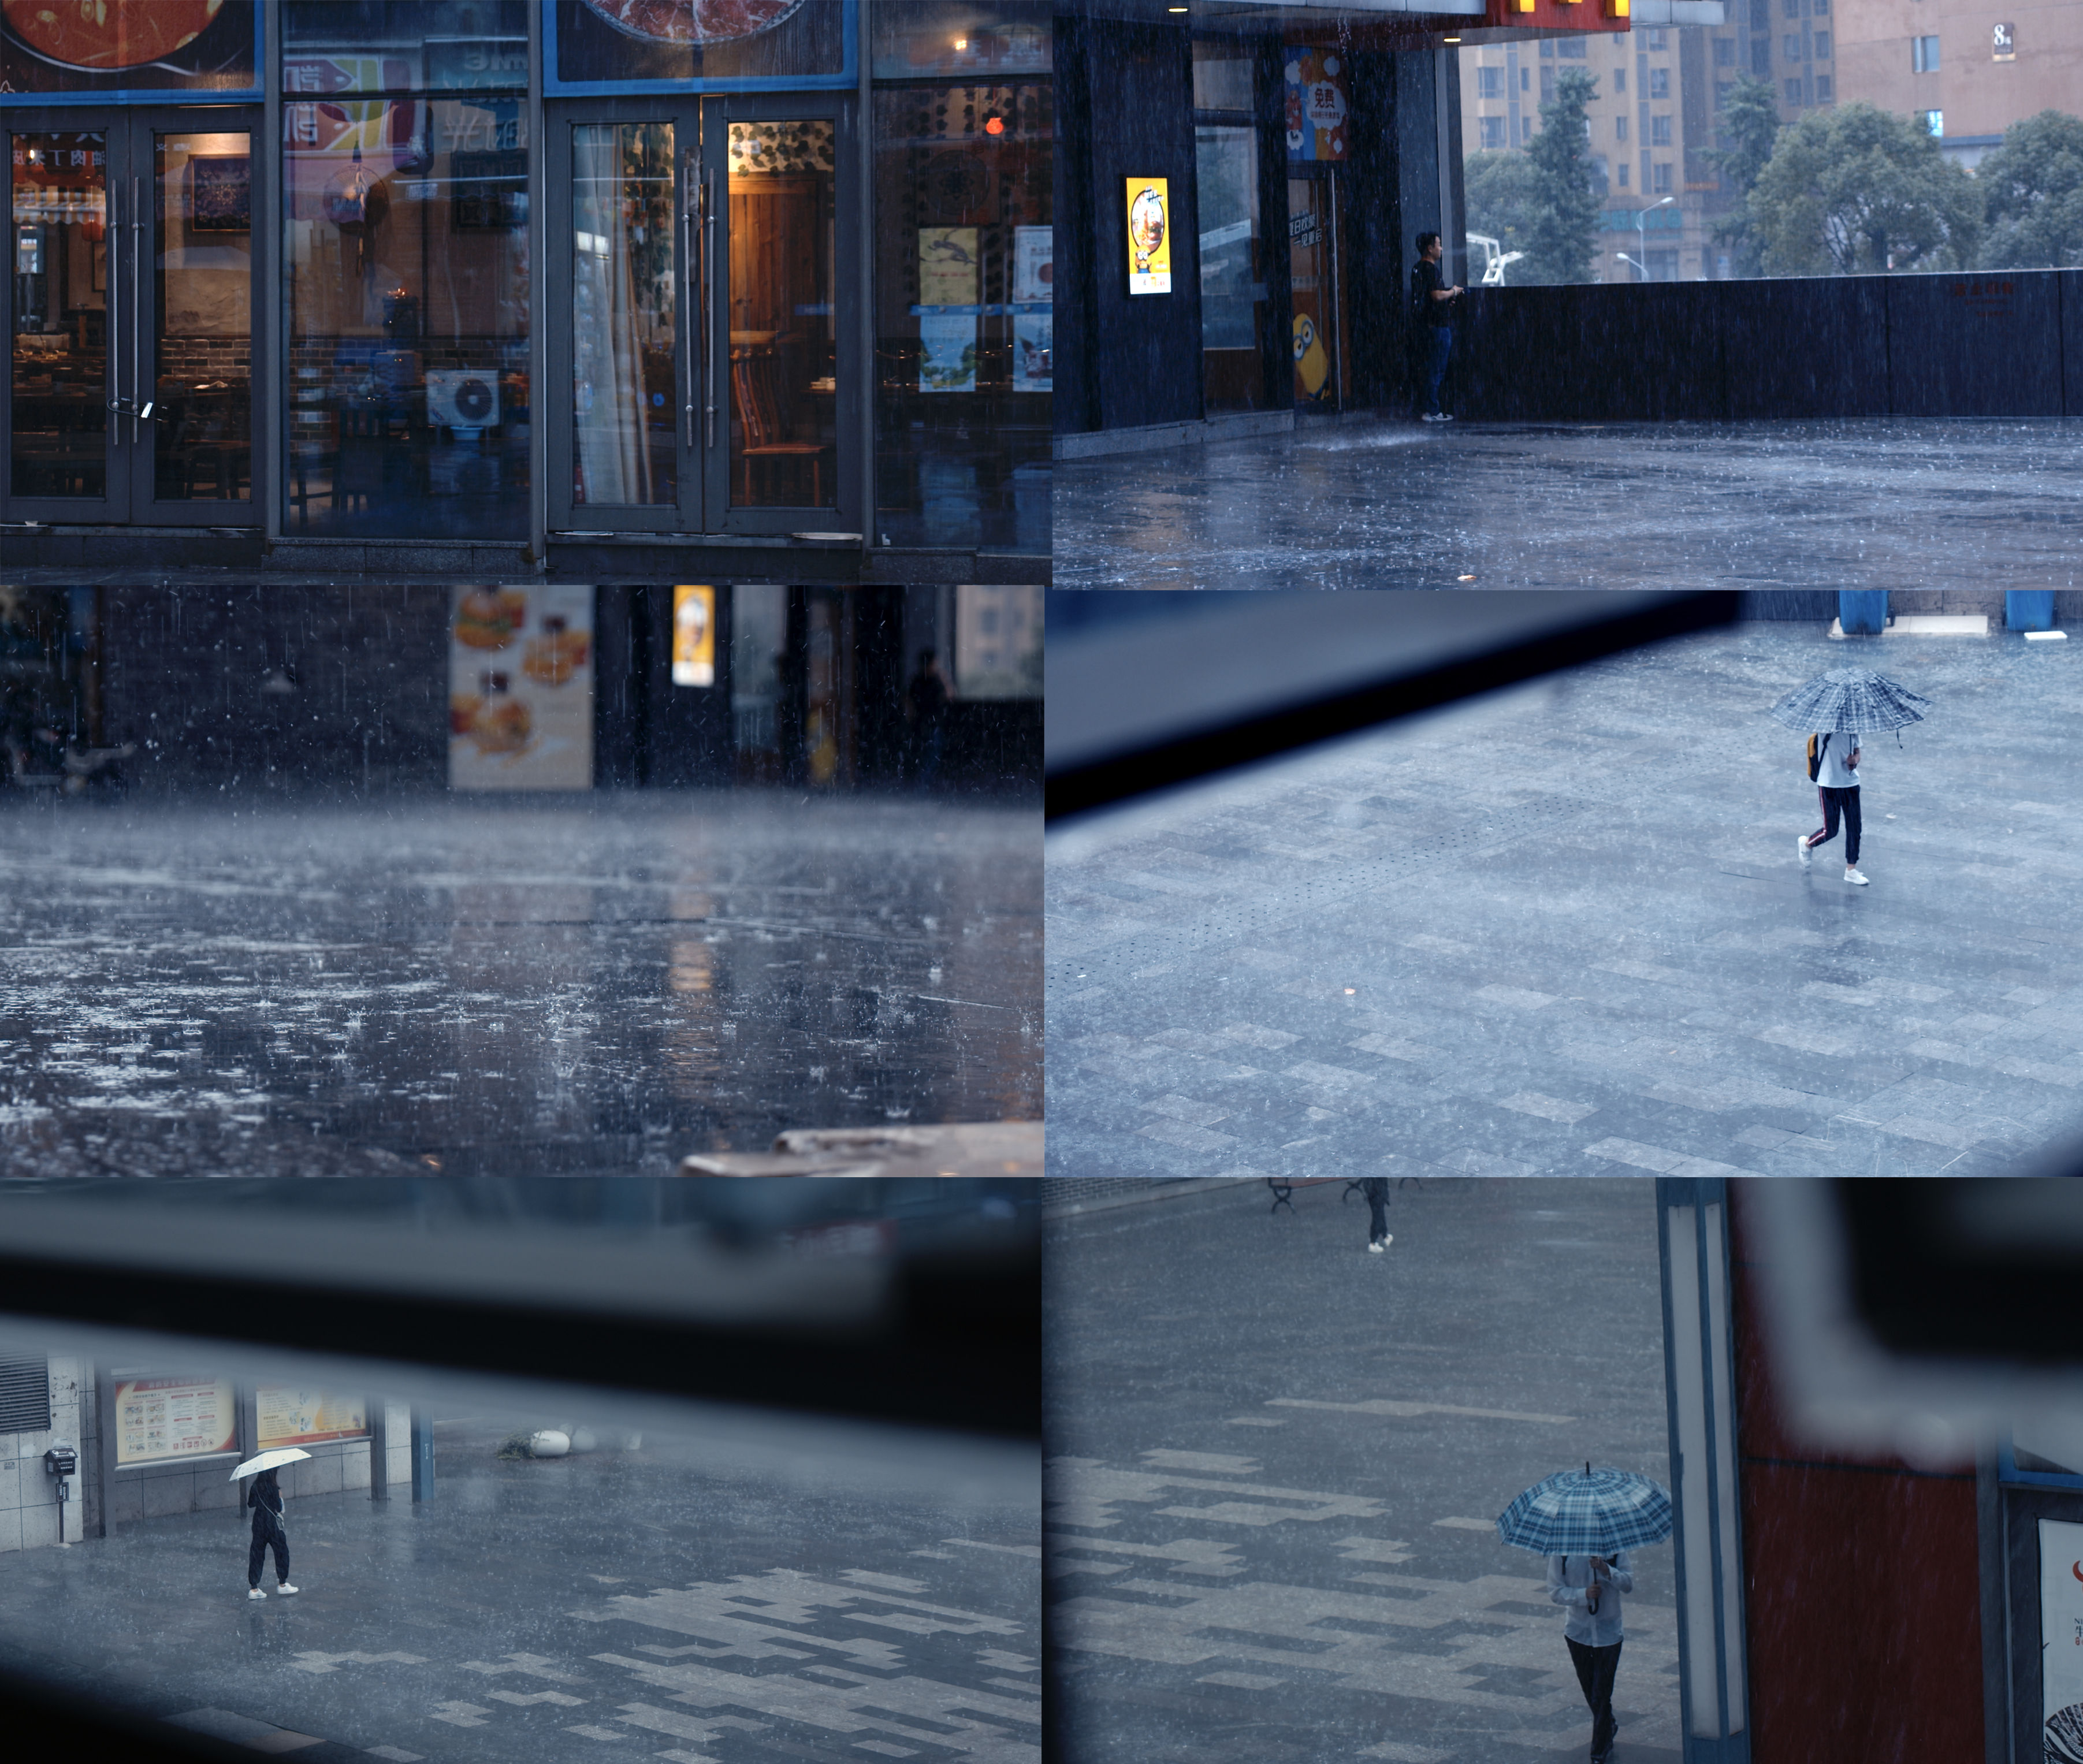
x: 274, y: 1534
x: 1835, y: 803
x: 1595, y: 1667
x: 1377, y: 1215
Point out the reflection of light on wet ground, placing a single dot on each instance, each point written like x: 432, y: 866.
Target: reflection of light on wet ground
x: 302, y: 991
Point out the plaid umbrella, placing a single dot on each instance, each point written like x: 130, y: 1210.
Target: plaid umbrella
x: 1849, y: 701
x: 1587, y: 1513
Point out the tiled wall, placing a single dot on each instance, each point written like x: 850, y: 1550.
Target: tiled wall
x: 28, y: 1496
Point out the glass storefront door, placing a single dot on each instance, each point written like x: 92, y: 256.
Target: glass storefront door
x: 1320, y: 371
x: 700, y: 379
x: 129, y: 314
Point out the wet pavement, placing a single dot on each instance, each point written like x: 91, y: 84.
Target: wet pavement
x: 1275, y: 1460
x: 716, y: 1603
x: 1362, y: 961
x: 1365, y: 502
x: 496, y: 989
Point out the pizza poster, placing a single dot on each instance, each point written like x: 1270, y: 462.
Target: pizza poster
x: 174, y: 1417
x: 2061, y: 1635
x: 98, y: 50
x: 634, y: 45
x: 1149, y: 236
x: 1317, y: 105
x: 297, y: 1415
x: 520, y: 688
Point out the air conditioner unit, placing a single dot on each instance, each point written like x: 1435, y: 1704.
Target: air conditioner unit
x: 463, y: 398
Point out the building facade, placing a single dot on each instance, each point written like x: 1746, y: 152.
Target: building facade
x: 504, y: 290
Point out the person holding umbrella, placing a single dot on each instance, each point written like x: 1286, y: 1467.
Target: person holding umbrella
x: 1838, y: 707
x: 1584, y: 1524
x: 265, y: 1498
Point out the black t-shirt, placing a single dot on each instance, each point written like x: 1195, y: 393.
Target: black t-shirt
x: 1426, y: 280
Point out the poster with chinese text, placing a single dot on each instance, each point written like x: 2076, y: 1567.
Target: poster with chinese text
x: 948, y: 266
x: 1032, y: 275
x: 1317, y: 104
x: 2061, y: 1635
x: 1031, y: 352
x: 292, y: 1414
x: 174, y: 1417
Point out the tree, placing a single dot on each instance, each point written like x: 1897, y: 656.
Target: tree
x: 1749, y: 128
x: 2033, y: 187
x: 1502, y: 194
x: 1564, y: 232
x: 1854, y: 190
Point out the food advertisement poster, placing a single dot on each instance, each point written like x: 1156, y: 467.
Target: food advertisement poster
x: 520, y: 688
x: 694, y: 636
x: 946, y: 352
x: 947, y: 266
x: 76, y: 53
x: 1031, y: 352
x: 1317, y: 103
x: 1033, y: 281
x: 2061, y: 1635
x: 174, y: 1417
x: 604, y: 46
x: 292, y: 1414
x: 1149, y: 236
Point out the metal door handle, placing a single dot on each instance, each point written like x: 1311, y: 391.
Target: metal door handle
x: 692, y: 277
x: 708, y: 286
x: 112, y: 374
x: 137, y: 307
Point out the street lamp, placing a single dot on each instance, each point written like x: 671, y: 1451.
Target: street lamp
x: 1641, y: 232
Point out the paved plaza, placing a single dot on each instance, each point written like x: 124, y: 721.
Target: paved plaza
x: 1275, y: 1460
x: 505, y: 989
x: 688, y: 1603
x: 1363, y: 502
x: 1366, y: 960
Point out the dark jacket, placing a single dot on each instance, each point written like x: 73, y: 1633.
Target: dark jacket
x: 265, y: 1498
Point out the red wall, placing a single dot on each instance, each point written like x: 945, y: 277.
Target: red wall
x: 1861, y: 1584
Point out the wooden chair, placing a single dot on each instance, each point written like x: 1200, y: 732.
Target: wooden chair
x: 755, y: 389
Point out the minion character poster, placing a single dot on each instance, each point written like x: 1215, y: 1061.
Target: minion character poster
x: 1149, y: 236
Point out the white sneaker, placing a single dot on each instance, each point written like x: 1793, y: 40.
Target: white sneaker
x: 255, y: 1592
x: 1387, y: 1238
x: 1374, y: 1249
x: 1855, y: 879
x: 283, y: 1586
x: 1801, y: 844
x: 1434, y: 416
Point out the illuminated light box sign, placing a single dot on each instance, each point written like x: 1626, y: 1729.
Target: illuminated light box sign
x: 606, y: 46
x: 694, y: 636
x: 168, y: 49
x: 1149, y: 236
x: 292, y: 1414
x: 1318, y: 105
x: 520, y: 688
x: 164, y: 1420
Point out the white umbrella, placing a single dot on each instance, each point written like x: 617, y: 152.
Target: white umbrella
x: 287, y: 1454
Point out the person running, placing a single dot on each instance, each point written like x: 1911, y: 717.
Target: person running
x: 1433, y: 305
x: 265, y: 1498
x: 1837, y: 784
x: 1590, y: 1587
x: 1375, y: 1188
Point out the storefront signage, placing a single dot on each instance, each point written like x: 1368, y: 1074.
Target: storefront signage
x: 1317, y: 105
x: 520, y: 688
x: 2003, y: 44
x: 1032, y: 270
x: 2061, y: 1635
x: 603, y: 47
x: 158, y: 1420
x: 1149, y: 236
x: 694, y: 636
x: 164, y: 49
x: 295, y: 1415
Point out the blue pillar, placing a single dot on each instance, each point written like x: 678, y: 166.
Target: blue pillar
x: 423, y: 1455
x: 2028, y: 608
x: 1862, y: 612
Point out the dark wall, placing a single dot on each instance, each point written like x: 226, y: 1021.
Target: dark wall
x: 1854, y: 346
x: 1862, y: 1614
x: 183, y: 673
x: 1130, y: 88
x: 686, y: 731
x: 994, y: 746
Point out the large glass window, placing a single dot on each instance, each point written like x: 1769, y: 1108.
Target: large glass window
x: 204, y: 384
x: 406, y: 252
x: 59, y: 360
x: 963, y: 183
x: 1232, y: 269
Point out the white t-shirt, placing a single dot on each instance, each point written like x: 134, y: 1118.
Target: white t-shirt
x: 1834, y: 773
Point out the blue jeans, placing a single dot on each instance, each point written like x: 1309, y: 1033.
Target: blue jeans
x: 1435, y: 364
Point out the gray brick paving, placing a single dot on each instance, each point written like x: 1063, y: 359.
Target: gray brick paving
x: 1562, y: 930
x: 1275, y: 1460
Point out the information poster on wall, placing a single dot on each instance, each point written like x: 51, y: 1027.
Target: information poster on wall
x: 294, y: 1415
x: 520, y: 688
x: 946, y: 352
x: 1317, y: 104
x: 694, y: 636
x: 948, y: 266
x: 1032, y: 273
x: 1149, y: 236
x: 1031, y: 352
x: 174, y: 1417
x: 2061, y: 1635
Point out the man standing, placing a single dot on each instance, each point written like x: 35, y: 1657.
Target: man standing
x: 1837, y: 784
x: 1590, y: 1586
x: 1375, y: 1188
x: 1433, y: 304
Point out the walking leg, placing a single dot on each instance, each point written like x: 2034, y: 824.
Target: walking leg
x: 1851, y: 827
x: 255, y: 1557
x: 1606, y: 1667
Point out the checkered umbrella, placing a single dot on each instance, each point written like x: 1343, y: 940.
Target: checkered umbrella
x: 1849, y: 701
x: 1587, y: 1513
